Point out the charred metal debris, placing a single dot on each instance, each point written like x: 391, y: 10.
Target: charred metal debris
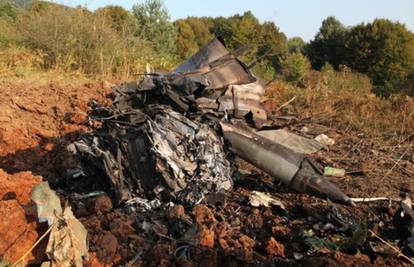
x: 171, y: 136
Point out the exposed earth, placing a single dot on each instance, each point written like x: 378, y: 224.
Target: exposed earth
x: 38, y: 120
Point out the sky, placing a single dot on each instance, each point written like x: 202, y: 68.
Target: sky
x: 294, y: 17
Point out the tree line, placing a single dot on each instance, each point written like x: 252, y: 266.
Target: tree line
x: 115, y: 41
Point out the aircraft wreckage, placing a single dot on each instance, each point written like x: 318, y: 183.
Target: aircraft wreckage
x: 172, y: 136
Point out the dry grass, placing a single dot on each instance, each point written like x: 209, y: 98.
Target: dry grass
x: 344, y: 100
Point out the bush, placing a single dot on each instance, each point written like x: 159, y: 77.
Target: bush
x: 18, y: 61
x: 74, y: 39
x: 295, y: 67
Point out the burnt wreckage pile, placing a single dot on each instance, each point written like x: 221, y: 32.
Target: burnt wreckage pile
x: 165, y: 136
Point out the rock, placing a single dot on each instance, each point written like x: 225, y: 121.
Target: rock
x: 325, y: 140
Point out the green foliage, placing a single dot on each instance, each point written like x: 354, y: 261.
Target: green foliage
x: 328, y: 44
x: 121, y: 20
x: 296, y: 45
x: 267, y: 45
x: 295, y: 67
x: 384, y: 50
x: 18, y: 61
x: 337, y: 242
x: 192, y: 34
x: 75, y: 39
x: 327, y: 68
x: 271, y: 44
x: 8, y: 12
x: 115, y: 41
x: 154, y: 25
x: 8, y: 33
x: 264, y: 70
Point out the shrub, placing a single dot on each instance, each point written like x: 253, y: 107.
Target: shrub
x: 74, y: 39
x: 295, y: 67
x: 18, y: 61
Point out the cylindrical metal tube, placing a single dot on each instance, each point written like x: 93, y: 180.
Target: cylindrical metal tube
x: 287, y: 166
x: 267, y: 156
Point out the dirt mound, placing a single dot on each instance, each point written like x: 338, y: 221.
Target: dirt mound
x: 36, y: 116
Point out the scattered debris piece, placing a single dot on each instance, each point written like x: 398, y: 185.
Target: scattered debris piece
x: 325, y: 140
x: 405, y: 221
x: 334, y: 172
x: 67, y: 244
x: 47, y: 203
x: 372, y: 199
x: 258, y: 199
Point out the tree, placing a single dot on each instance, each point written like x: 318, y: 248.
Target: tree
x: 267, y: 45
x: 154, y: 25
x: 193, y: 33
x: 384, y: 50
x: 328, y: 44
x: 186, y: 40
x: 272, y: 44
x: 201, y: 29
x: 296, y: 45
x: 121, y: 20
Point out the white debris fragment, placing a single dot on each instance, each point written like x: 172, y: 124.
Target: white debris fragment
x: 325, y: 140
x: 258, y: 199
x: 67, y: 245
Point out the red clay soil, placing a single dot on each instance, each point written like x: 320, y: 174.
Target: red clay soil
x: 19, y: 228
x: 35, y: 118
